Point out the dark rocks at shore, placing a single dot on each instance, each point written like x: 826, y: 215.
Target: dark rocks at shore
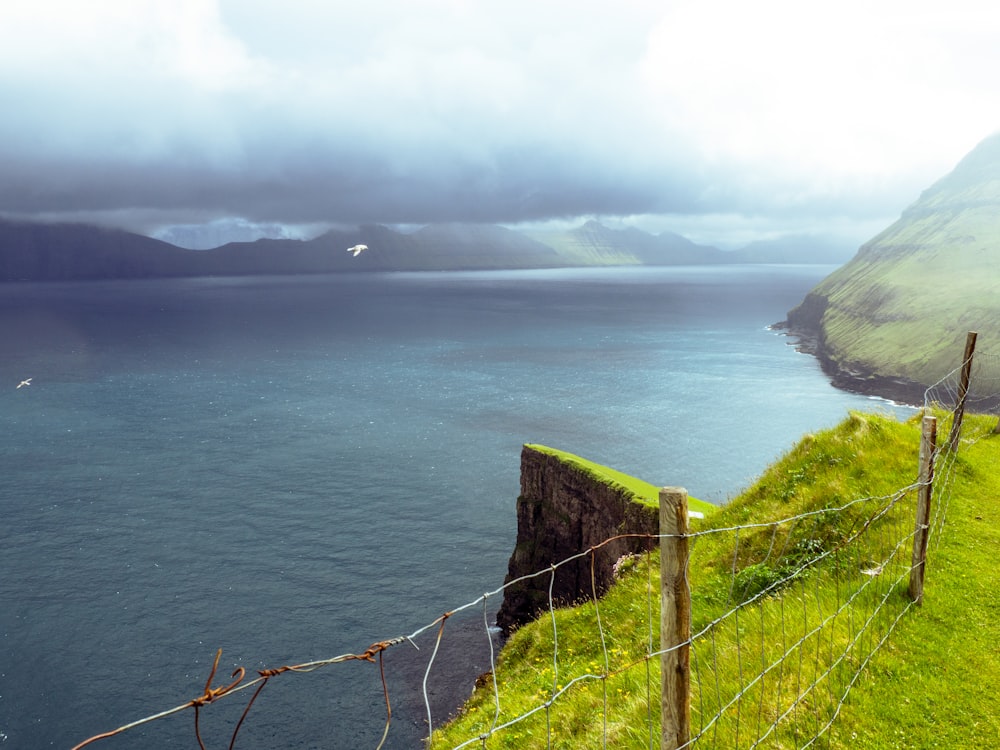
x: 899, y: 390
x: 805, y: 326
x: 866, y: 383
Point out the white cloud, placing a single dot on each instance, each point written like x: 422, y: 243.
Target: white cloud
x: 853, y: 91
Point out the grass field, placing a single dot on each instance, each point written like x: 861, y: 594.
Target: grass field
x: 933, y: 684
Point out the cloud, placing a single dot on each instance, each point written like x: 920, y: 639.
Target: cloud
x: 305, y: 111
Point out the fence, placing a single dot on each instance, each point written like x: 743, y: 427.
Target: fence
x: 814, y: 653
x: 757, y: 643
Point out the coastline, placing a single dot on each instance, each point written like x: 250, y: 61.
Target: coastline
x: 865, y: 382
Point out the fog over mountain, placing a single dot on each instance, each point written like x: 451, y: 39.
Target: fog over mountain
x: 59, y: 252
x: 717, y: 120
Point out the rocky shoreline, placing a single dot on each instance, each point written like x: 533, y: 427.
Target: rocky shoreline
x: 804, y: 325
x: 865, y: 383
x: 808, y: 340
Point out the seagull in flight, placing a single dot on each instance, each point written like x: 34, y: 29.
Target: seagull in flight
x: 357, y: 249
x: 24, y: 383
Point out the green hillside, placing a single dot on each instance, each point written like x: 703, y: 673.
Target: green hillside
x: 594, y: 244
x: 917, y: 691
x: 902, y: 307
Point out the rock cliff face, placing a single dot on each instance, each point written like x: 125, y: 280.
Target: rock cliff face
x: 563, y: 510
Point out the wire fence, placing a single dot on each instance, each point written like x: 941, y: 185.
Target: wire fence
x: 801, y: 652
x: 779, y: 619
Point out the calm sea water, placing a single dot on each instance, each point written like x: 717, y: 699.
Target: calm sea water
x: 294, y: 468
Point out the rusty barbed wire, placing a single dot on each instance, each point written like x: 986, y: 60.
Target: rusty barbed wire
x: 210, y: 694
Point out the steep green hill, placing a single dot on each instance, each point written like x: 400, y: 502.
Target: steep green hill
x: 899, y: 311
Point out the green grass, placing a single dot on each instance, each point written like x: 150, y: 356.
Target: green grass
x: 903, y: 325
x: 935, y: 684
x: 642, y: 491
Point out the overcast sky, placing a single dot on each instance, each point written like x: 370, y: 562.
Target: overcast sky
x: 721, y: 119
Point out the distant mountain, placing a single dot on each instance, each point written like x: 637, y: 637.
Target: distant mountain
x: 57, y: 252
x: 594, y: 244
x: 60, y: 252
x: 37, y: 252
x: 439, y: 247
x: 798, y: 248
x: 894, y: 319
x: 220, y: 232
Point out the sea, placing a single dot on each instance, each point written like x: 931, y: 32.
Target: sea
x: 294, y: 468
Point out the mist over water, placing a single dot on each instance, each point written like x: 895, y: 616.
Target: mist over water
x: 293, y: 468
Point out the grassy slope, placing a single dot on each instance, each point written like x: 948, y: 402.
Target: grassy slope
x: 907, y: 315
x: 934, y: 685
x: 903, y: 305
x: 937, y: 684
x: 583, y: 249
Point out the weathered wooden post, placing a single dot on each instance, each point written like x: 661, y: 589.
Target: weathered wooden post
x: 928, y: 438
x: 675, y: 619
x: 963, y: 391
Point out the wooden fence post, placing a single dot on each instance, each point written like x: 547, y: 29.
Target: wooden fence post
x: 928, y: 439
x: 675, y: 619
x: 963, y: 391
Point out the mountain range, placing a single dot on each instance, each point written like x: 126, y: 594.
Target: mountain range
x: 58, y: 252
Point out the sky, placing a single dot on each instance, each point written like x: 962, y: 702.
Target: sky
x: 723, y: 120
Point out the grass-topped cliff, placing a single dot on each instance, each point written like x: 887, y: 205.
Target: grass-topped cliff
x: 568, y: 504
x: 640, y: 490
x: 900, y: 310
x: 935, y: 683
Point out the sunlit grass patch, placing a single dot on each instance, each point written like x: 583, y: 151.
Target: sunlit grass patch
x: 643, y: 491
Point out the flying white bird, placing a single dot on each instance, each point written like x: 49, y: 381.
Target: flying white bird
x: 357, y: 249
x: 24, y: 383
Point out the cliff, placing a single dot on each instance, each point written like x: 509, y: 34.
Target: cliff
x: 805, y: 323
x: 566, y: 506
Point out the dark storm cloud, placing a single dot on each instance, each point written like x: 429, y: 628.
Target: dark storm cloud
x: 302, y: 111
x: 287, y: 177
